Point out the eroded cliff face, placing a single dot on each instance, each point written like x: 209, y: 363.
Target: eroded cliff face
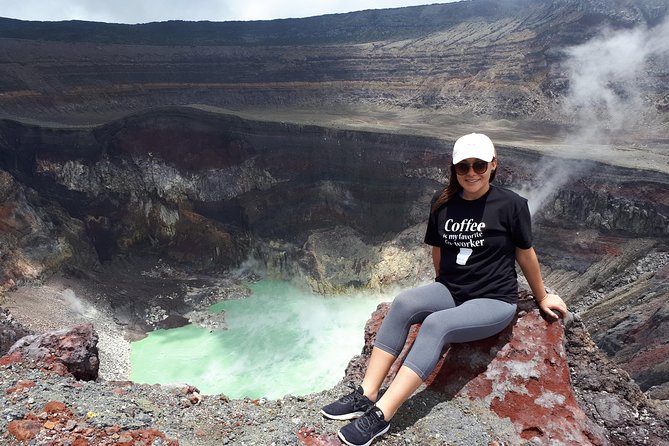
x: 38, y: 235
x: 204, y: 186
x: 497, y: 59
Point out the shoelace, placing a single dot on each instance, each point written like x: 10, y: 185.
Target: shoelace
x: 352, y: 397
x: 368, y: 420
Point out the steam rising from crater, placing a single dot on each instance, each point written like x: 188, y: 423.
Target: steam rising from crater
x: 551, y: 177
x: 76, y: 306
x: 607, y: 77
x: 281, y: 340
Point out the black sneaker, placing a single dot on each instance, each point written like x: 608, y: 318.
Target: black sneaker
x: 353, y: 405
x: 365, y: 429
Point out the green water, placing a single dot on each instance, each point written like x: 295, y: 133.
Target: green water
x: 280, y: 340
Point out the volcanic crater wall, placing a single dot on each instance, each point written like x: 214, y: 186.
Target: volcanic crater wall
x: 490, y: 58
x: 201, y: 185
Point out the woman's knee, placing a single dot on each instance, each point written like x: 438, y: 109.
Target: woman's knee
x: 433, y: 327
x: 403, y: 303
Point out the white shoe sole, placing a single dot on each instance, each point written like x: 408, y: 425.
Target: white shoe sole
x: 346, y: 416
x: 341, y: 437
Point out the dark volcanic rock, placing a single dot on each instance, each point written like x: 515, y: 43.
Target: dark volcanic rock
x: 592, y: 203
x: 197, y: 185
x: 611, y: 398
x: 37, y: 235
x: 68, y: 351
x: 198, y: 182
x: 10, y: 331
x: 635, y: 338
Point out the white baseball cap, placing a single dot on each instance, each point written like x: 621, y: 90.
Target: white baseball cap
x: 474, y: 145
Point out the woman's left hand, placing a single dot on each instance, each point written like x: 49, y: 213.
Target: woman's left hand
x: 552, y: 303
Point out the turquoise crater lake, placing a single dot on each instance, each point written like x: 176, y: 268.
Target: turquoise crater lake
x: 280, y: 340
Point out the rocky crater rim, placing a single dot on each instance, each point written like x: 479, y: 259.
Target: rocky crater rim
x: 647, y: 152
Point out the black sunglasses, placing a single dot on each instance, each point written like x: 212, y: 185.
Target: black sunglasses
x: 480, y: 167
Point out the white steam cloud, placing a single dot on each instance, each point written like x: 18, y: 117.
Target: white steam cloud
x: 76, y: 306
x: 610, y: 94
x: 608, y: 76
x: 551, y: 177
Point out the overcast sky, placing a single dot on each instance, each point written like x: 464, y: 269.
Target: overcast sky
x: 142, y: 11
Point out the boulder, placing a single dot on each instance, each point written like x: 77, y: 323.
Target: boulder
x: 70, y: 351
x: 10, y: 331
x: 521, y: 374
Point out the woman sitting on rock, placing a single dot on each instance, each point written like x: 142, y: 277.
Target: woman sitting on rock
x: 477, y: 232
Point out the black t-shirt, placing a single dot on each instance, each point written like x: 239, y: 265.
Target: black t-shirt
x: 478, y: 241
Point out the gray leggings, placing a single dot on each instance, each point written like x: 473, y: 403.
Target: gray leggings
x: 442, y: 322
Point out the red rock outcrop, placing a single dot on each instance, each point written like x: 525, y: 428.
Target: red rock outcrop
x: 521, y: 374
x: 72, y: 351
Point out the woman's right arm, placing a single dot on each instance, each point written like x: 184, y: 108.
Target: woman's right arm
x: 436, y: 259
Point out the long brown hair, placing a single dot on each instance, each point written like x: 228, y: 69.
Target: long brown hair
x: 453, y: 188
